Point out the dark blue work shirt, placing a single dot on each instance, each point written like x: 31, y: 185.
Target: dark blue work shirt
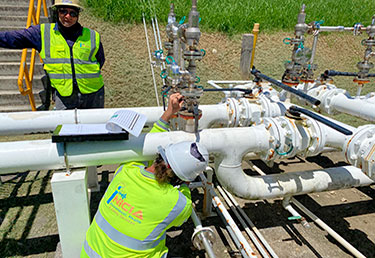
x: 31, y: 38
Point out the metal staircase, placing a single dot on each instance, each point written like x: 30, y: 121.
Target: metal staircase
x: 13, y: 16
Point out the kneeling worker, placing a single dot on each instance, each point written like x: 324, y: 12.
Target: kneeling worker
x: 141, y: 203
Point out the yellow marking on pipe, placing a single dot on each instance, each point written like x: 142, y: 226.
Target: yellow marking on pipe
x: 255, y: 32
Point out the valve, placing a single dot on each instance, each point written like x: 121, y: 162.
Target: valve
x: 158, y: 56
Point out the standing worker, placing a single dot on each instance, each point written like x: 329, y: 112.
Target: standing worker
x: 141, y: 203
x: 72, y: 56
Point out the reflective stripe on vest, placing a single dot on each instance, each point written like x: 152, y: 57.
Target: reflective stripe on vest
x: 58, y: 64
x: 89, y: 251
x: 180, y: 205
x: 151, y: 240
x: 123, y: 239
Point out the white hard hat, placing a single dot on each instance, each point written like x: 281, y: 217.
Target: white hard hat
x: 187, y: 159
x: 73, y: 3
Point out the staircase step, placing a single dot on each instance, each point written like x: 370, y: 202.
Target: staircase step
x: 19, y: 108
x: 9, y: 68
x: 9, y: 27
x: 20, y: 21
x: 14, y: 98
x: 14, y: 55
x: 13, y: 10
x: 16, y: 2
x: 10, y: 83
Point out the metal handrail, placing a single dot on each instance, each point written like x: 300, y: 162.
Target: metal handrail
x: 25, y: 72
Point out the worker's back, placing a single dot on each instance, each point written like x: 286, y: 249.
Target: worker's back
x: 135, y: 213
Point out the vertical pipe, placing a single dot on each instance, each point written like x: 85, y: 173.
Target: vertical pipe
x: 149, y: 56
x: 207, y: 199
x: 160, y: 43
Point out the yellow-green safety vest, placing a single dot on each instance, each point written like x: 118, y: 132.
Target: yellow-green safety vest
x: 135, y: 213
x: 55, y: 53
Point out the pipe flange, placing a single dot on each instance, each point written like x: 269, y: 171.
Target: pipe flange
x: 317, y: 136
x: 233, y: 108
x: 359, y: 150
x: 250, y: 112
x: 270, y: 108
x: 283, y: 138
x: 193, y: 55
x: 325, y: 93
x: 199, y: 234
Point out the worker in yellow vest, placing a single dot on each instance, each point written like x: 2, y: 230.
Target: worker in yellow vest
x: 72, y: 56
x: 141, y: 203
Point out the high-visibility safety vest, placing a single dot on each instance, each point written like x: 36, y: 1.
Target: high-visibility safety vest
x: 59, y: 63
x: 135, y: 213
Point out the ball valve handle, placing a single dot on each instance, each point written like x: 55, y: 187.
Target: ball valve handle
x: 294, y: 110
x: 300, y: 94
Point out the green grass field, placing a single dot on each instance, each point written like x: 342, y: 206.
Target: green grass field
x: 233, y: 16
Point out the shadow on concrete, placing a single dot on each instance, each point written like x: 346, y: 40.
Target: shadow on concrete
x: 334, y: 216
x: 25, y: 246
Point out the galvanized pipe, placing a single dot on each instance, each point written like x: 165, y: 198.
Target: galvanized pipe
x: 252, y: 226
x: 198, y: 225
x: 244, y: 245
x: 253, y: 238
x: 338, y: 28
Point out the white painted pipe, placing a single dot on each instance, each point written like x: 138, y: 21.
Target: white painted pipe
x: 45, y: 121
x: 43, y: 154
x: 354, y: 106
x: 232, y: 177
x: 294, y: 183
x: 288, y: 207
x: 334, y: 99
x: 230, y: 143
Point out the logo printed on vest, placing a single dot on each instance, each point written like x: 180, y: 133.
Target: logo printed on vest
x: 117, y: 199
x: 123, y: 195
x: 81, y: 45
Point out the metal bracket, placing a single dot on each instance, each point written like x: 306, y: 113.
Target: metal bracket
x: 68, y: 171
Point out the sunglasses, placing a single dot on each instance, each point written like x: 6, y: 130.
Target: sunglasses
x: 72, y: 14
x: 195, y: 152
